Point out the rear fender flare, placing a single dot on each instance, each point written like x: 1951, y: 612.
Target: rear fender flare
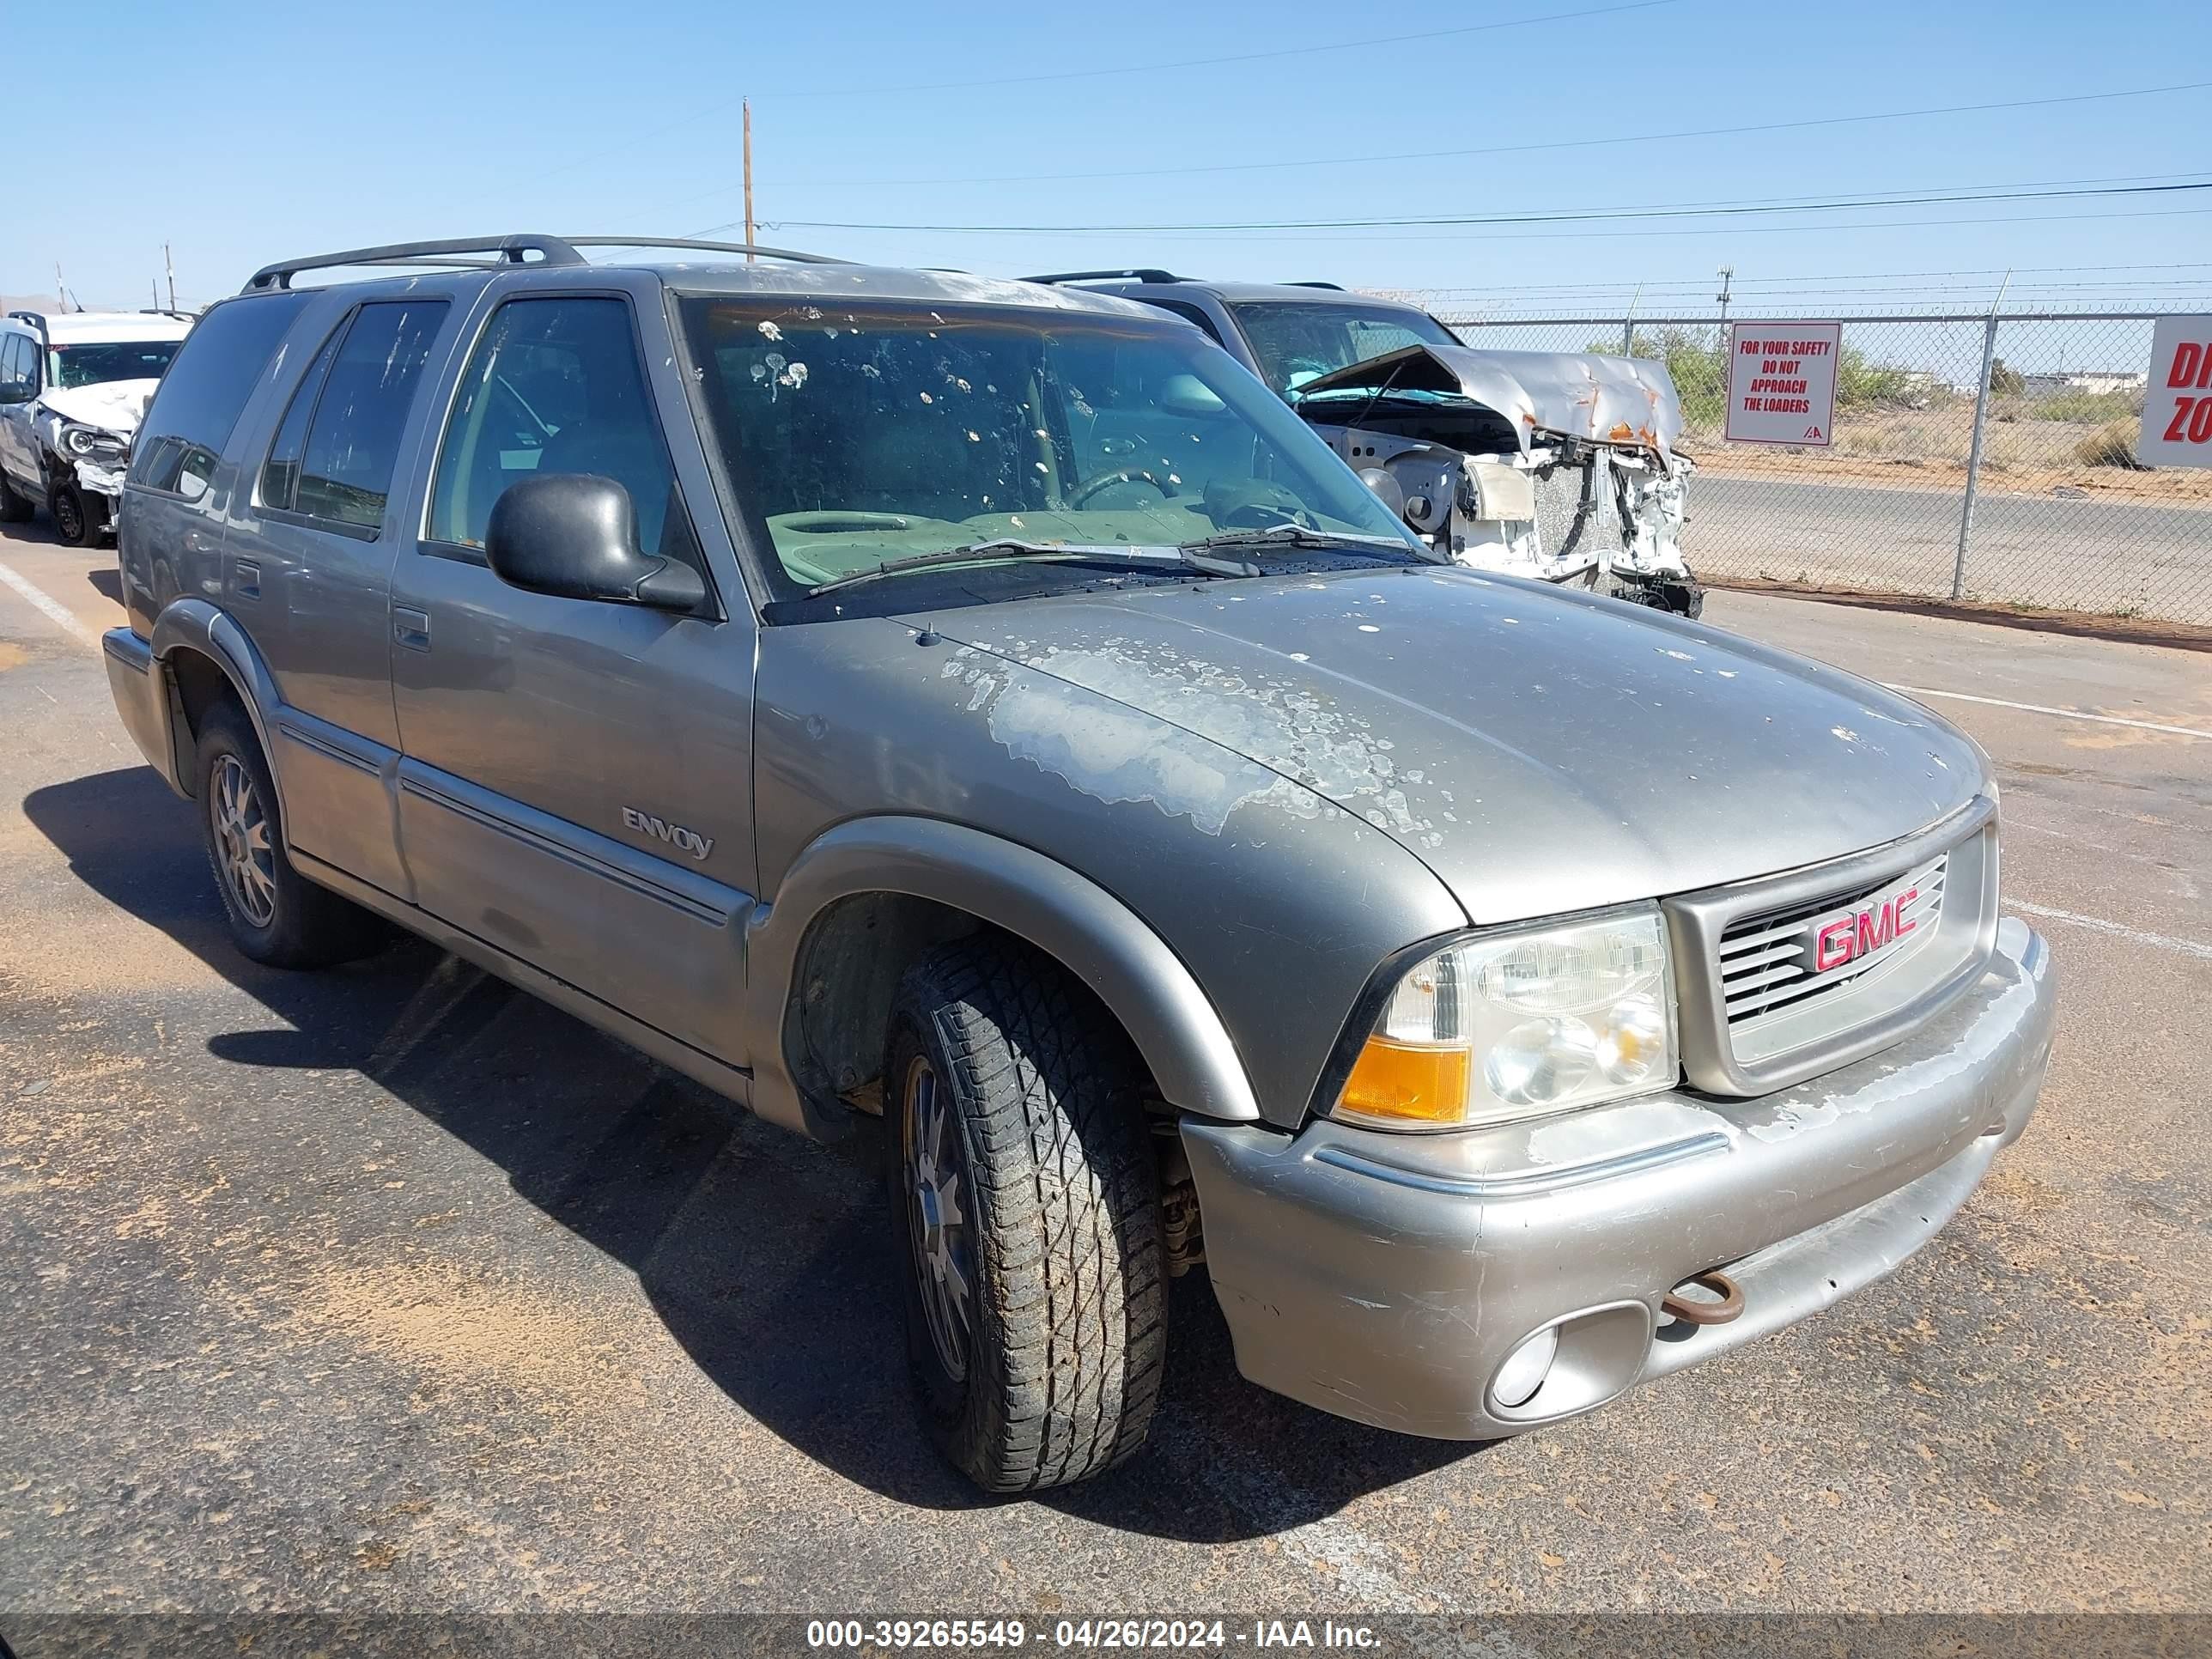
x: 196, y: 625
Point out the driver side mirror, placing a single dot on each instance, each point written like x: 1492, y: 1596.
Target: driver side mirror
x: 574, y: 535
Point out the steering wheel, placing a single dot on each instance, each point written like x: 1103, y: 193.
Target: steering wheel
x: 1106, y: 480
x: 841, y: 521
x: 1264, y: 515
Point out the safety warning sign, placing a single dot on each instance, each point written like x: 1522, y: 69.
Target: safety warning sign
x: 1782, y: 383
x: 2177, y: 418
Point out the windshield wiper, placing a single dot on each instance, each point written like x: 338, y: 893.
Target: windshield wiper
x: 1297, y: 535
x: 1125, y: 558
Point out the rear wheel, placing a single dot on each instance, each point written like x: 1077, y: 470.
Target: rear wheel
x: 276, y: 915
x: 72, y: 519
x: 1026, y: 1207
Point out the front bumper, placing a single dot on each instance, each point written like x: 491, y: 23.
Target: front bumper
x: 1386, y: 1278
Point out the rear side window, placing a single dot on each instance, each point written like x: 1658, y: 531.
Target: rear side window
x: 352, y: 437
x: 213, y: 373
x: 280, y: 473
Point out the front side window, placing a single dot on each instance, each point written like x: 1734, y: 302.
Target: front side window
x: 865, y: 434
x: 97, y: 363
x: 1297, y: 341
x: 557, y: 385
x: 353, y: 438
x: 16, y: 354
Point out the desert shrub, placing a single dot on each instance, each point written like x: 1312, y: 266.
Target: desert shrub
x: 2112, y: 444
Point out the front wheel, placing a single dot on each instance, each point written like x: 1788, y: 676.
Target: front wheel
x: 72, y: 519
x: 1026, y: 1208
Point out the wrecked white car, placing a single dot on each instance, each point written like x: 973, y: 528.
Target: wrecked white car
x: 73, y: 388
x: 1553, y: 464
x: 1467, y: 445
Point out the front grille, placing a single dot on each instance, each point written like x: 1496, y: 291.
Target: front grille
x: 1783, y: 977
x: 1767, y: 961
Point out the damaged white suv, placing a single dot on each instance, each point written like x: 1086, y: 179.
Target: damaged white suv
x: 73, y: 387
x: 1563, y: 466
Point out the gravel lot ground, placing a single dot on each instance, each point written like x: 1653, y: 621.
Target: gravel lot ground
x: 394, y: 1289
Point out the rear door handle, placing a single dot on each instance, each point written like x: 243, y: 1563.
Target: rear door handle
x: 410, y: 627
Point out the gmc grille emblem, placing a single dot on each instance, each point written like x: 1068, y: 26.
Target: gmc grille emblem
x: 675, y: 834
x: 1863, y: 931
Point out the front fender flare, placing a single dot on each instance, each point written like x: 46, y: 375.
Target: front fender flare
x: 1072, y: 919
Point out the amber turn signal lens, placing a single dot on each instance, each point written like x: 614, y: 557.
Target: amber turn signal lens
x: 1421, y: 1083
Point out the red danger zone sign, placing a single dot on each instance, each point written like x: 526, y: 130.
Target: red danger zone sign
x: 2176, y: 420
x: 1782, y: 383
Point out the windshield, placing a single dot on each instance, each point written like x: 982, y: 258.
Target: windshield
x: 93, y: 363
x: 1297, y: 341
x: 860, y: 435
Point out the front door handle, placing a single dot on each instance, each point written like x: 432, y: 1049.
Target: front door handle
x: 410, y: 627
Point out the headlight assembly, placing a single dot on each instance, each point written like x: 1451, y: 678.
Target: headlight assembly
x: 1521, y: 1023
x: 91, y: 444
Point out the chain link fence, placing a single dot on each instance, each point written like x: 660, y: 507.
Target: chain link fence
x: 2052, y: 513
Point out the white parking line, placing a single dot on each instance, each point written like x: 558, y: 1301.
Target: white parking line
x: 2041, y: 708
x: 52, y: 608
x: 2187, y: 947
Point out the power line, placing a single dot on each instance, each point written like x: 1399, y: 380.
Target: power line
x: 1546, y: 216
x: 1310, y: 240
x: 1833, y: 276
x: 1490, y: 150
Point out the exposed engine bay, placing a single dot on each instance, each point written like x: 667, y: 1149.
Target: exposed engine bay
x: 1556, y: 465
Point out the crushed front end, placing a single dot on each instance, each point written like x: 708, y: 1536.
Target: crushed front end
x: 1557, y: 465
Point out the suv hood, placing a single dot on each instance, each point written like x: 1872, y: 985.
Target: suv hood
x: 1541, y: 751
x: 114, y: 406
x: 1604, y: 400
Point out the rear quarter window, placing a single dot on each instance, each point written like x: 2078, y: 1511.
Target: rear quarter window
x: 213, y: 373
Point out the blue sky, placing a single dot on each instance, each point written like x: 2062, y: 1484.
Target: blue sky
x: 256, y: 131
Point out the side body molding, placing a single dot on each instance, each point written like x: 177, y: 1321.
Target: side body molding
x: 205, y: 628
x: 1101, y: 941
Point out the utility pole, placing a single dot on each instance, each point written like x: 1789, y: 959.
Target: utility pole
x: 1727, y: 275
x: 749, y: 178
x: 171, y: 265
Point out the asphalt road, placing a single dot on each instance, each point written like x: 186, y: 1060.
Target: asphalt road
x: 2104, y: 554
x: 392, y: 1288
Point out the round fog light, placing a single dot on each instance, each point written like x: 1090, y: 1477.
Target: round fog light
x: 1525, y: 1368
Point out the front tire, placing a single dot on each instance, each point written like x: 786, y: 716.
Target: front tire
x: 1026, y: 1209
x: 276, y: 915
x: 72, y: 521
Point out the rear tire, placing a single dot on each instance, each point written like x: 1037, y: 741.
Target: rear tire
x: 276, y: 915
x: 1025, y: 1205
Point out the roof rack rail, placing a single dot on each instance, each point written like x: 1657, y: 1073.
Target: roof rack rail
x: 1134, y: 273
x: 790, y: 255
x: 166, y: 311
x: 510, y: 250
x: 551, y: 249
x: 1338, y: 287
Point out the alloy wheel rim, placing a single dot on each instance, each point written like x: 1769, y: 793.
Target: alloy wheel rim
x: 938, y: 1220
x: 244, y: 854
